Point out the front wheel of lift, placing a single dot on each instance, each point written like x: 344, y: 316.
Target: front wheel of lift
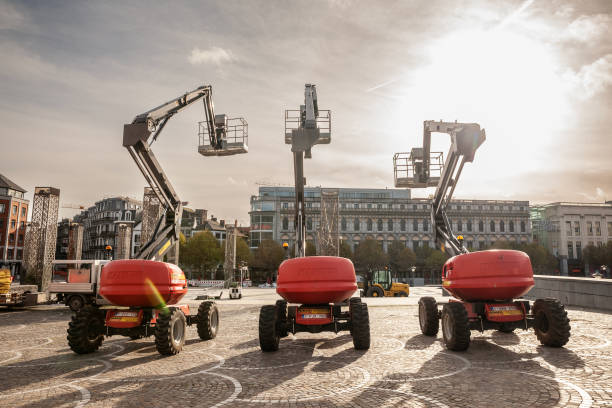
x: 86, y: 330
x: 455, y: 327
x: 360, y: 326
x: 170, y: 332
x: 208, y: 320
x: 428, y: 316
x: 551, y: 324
x: 282, y: 323
x: 269, y: 337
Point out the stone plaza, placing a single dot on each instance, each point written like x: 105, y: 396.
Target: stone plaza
x: 402, y: 368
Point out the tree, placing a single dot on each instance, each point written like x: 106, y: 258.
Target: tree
x: 401, y: 259
x: 202, y: 254
x: 345, y: 250
x: 311, y: 249
x: 369, y: 256
x: 267, y: 257
x: 243, y: 252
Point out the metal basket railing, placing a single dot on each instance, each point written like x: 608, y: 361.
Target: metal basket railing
x: 293, y: 121
x: 236, y: 138
x: 406, y: 171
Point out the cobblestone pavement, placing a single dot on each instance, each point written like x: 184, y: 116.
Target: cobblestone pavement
x: 401, y: 369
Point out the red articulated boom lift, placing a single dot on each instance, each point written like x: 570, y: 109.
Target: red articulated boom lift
x: 139, y: 297
x: 320, y: 285
x: 487, y: 285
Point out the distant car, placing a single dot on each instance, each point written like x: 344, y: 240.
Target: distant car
x: 235, y: 293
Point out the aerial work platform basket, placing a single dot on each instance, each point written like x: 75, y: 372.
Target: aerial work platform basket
x: 235, y: 140
x: 408, y: 168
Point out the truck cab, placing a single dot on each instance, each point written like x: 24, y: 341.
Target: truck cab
x: 76, y: 283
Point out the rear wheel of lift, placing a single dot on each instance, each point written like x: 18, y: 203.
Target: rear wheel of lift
x: 505, y: 328
x: 86, y: 330
x: 428, y: 316
x: 551, y: 324
x: 208, y: 320
x: 352, y: 302
x: 75, y: 303
x: 455, y: 327
x: 268, y: 333
x: 360, y: 326
x: 170, y: 332
x: 281, y: 318
x: 375, y: 291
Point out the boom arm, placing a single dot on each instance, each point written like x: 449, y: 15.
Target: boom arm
x: 465, y: 140
x: 310, y: 130
x: 137, y: 140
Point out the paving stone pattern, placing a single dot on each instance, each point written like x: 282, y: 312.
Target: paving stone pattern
x: 401, y: 369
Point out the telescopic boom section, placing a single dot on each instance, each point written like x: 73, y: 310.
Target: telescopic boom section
x: 305, y: 128
x: 423, y: 168
x: 138, y: 137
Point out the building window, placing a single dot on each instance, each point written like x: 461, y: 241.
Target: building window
x: 343, y: 224
x: 13, y: 224
x: 502, y: 226
x: 14, y: 210
x: 12, y: 238
x: 570, y: 250
x: 309, y: 223
x: 390, y: 225
x: 369, y: 205
x: 459, y: 226
x: 577, y: 228
x: 511, y: 226
x: 589, y: 228
x: 415, y: 225
x: 379, y: 206
x: 308, y: 205
x: 356, y: 224
x: 414, y: 207
x: 355, y: 205
x: 609, y: 229
x: 1, y: 223
x: 402, y: 225
x: 402, y: 206
x: 578, y: 249
x: 23, y: 211
x: 425, y: 225
x: 20, y: 240
x: 1, y: 208
x: 480, y: 226
x: 598, y: 228
x: 470, y: 245
x: 285, y: 223
x: 369, y: 224
x: 522, y: 226
x: 492, y: 226
x: 568, y: 228
x: 469, y: 225
x: 379, y: 225
x: 286, y: 205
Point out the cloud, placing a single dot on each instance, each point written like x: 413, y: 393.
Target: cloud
x: 214, y: 55
x: 594, y: 78
x: 10, y: 17
x: 589, y: 28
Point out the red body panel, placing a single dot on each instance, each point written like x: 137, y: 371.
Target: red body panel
x: 316, y: 280
x: 488, y: 275
x: 504, y: 312
x: 314, y: 315
x: 142, y: 283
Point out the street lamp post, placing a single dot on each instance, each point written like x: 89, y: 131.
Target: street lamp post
x: 413, y: 270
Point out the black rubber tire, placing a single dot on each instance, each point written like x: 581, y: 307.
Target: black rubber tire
x: 268, y: 335
x: 352, y: 302
x: 551, y: 324
x: 75, y: 303
x: 282, y: 325
x: 360, y: 326
x: 428, y: 316
x: 208, y: 320
x: 375, y: 291
x: 455, y: 328
x: 505, y: 328
x: 403, y: 294
x: 86, y: 330
x: 169, y: 338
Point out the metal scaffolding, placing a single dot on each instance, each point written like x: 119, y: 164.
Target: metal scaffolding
x: 123, y: 239
x: 41, y: 235
x: 328, y: 240
x: 75, y: 241
x: 151, y: 211
x: 229, y: 265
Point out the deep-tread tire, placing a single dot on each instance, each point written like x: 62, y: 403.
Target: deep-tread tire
x: 75, y: 303
x: 403, y: 294
x: 428, y: 316
x: 551, y: 325
x: 504, y: 328
x: 455, y: 327
x: 170, y: 332
x: 281, y: 318
x: 360, y: 326
x: 375, y: 291
x: 208, y: 320
x: 352, y: 302
x: 268, y: 335
x: 86, y: 330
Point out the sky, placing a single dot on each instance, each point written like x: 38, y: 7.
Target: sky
x: 537, y: 75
